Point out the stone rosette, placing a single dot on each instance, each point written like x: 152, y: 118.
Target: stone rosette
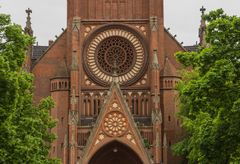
x: 115, y: 124
x: 115, y: 49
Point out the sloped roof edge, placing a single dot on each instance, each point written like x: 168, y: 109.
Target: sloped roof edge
x: 48, y: 49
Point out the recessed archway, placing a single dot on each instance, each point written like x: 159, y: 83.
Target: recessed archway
x: 115, y: 153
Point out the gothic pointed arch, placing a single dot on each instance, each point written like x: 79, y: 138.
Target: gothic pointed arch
x: 115, y: 124
x: 117, y: 153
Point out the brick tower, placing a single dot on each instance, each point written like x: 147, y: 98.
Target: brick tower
x: 112, y: 74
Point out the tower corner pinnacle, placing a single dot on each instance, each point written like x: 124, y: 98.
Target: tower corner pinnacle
x: 28, y: 28
x: 202, y: 28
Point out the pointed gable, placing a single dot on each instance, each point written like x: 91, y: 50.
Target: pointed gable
x: 169, y: 69
x: 115, y: 123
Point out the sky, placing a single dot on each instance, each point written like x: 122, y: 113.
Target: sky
x: 49, y: 16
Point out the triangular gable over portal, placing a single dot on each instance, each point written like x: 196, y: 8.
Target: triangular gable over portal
x: 115, y: 123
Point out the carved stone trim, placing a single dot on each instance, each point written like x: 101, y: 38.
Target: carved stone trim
x: 93, y: 65
x: 130, y: 137
x: 73, y: 117
x: 76, y: 24
x: 88, y: 29
x: 74, y: 61
x: 155, y: 64
x: 142, y: 28
x: 72, y: 143
x: 154, y: 23
x: 156, y: 117
x: 117, y: 113
x: 97, y: 64
x: 115, y: 124
x: 165, y: 145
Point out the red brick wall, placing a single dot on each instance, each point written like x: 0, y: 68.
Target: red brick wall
x: 110, y: 9
x: 60, y: 113
x: 171, y: 46
x: 50, y: 65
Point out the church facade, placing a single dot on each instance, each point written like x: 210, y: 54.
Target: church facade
x: 112, y: 74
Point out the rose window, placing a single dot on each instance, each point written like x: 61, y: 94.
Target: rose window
x: 115, y: 124
x: 115, y: 51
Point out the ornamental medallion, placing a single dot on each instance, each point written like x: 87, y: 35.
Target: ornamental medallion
x: 115, y: 50
x: 115, y: 124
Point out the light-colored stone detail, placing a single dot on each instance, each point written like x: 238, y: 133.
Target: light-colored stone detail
x: 100, y: 138
x: 73, y: 114
x: 88, y: 82
x: 115, y: 124
x: 98, y: 73
x: 155, y: 64
x: 156, y: 117
x: 97, y: 142
x: 115, y: 106
x: 72, y: 143
x: 156, y: 99
x: 154, y: 23
x: 74, y: 65
x: 133, y: 141
x: 73, y: 117
x: 143, y: 81
x: 76, y: 24
x: 130, y: 137
x: 142, y: 28
x: 138, y: 83
x: 74, y: 99
x: 165, y: 141
x: 88, y: 29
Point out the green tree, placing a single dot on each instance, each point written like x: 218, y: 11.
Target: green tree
x: 209, y: 94
x: 24, y: 128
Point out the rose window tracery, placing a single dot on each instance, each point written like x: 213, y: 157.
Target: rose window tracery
x: 115, y: 124
x: 117, y: 51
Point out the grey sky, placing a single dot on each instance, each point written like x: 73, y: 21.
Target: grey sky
x: 49, y: 16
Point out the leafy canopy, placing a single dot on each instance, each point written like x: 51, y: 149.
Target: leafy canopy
x: 209, y: 94
x: 24, y: 128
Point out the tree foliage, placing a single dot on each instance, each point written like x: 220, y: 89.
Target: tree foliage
x: 209, y: 94
x: 24, y: 128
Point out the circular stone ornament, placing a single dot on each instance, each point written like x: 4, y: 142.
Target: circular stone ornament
x: 115, y: 124
x: 114, y: 52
